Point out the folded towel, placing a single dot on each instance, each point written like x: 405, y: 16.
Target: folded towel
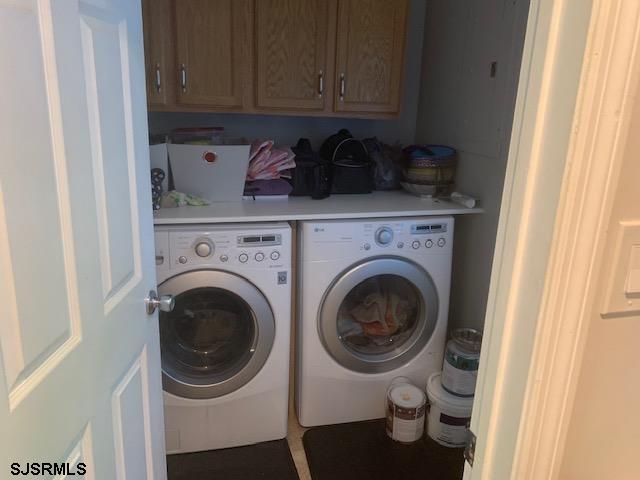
x: 178, y: 199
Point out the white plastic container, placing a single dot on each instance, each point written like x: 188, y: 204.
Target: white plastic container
x: 214, y: 172
x: 449, y: 415
x: 461, y: 359
x: 406, y: 405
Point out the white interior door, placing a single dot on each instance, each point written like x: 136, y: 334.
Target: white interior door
x: 80, y: 363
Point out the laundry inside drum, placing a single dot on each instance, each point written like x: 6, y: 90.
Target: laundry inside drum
x: 379, y: 315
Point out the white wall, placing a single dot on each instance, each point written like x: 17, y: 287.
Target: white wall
x: 602, y: 441
x: 286, y: 130
x: 462, y: 105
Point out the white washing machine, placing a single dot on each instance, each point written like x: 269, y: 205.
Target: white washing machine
x: 374, y: 301
x: 225, y: 345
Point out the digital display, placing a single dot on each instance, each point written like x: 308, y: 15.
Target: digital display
x: 258, y: 240
x: 431, y: 228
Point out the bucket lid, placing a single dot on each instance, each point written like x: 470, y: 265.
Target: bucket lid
x: 400, y: 379
x: 439, y: 395
x: 406, y: 395
x: 469, y: 339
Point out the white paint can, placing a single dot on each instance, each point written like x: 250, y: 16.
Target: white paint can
x: 449, y: 415
x: 406, y: 405
x: 461, y: 358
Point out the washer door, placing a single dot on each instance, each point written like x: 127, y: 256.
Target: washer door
x: 218, y: 336
x: 379, y: 314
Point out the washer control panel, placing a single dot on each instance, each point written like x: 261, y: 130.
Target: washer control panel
x: 190, y: 246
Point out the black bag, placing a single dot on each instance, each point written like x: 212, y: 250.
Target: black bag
x: 351, y: 167
x: 311, y: 175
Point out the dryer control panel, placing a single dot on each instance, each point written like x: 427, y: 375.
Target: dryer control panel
x: 365, y: 238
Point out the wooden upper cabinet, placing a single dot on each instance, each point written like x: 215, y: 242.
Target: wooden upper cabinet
x: 293, y: 53
x: 211, y: 49
x: 158, y: 56
x: 313, y: 57
x: 370, y: 55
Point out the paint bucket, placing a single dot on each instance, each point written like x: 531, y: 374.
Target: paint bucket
x: 461, y: 358
x: 406, y: 405
x: 449, y: 415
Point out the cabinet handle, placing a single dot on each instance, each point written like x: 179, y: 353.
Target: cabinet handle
x: 320, y: 84
x: 158, y: 80
x: 183, y: 78
x: 342, y: 87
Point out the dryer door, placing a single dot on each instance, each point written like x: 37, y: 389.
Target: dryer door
x: 218, y: 336
x: 379, y: 314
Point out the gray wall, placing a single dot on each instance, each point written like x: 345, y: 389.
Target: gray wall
x: 286, y: 130
x: 463, y: 105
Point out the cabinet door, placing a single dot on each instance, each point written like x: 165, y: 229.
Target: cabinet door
x: 370, y: 55
x: 292, y: 53
x: 158, y: 57
x: 211, y: 47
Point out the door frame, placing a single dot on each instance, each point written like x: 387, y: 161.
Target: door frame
x: 558, y: 194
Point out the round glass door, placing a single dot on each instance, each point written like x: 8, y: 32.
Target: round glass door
x: 217, y: 338
x: 379, y: 314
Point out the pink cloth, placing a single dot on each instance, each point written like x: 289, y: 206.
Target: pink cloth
x: 267, y: 162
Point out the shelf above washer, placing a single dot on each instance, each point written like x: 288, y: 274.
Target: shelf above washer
x: 374, y: 205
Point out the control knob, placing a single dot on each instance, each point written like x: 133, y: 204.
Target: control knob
x: 203, y: 249
x: 384, y: 236
x: 243, y: 258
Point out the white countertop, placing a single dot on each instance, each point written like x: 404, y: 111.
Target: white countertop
x: 376, y: 204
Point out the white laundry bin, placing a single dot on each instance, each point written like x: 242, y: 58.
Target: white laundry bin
x: 214, y: 172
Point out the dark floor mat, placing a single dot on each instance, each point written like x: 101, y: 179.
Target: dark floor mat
x: 266, y: 461
x: 362, y: 450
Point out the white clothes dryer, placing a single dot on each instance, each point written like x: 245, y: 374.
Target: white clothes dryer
x: 225, y: 345
x: 373, y: 305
